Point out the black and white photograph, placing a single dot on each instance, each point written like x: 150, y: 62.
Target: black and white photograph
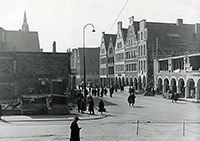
x: 99, y: 70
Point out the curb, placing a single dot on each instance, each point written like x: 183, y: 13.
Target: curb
x: 53, y: 119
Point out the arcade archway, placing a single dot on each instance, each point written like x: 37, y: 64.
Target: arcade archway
x: 173, y: 85
x: 181, y: 88
x: 159, y: 86
x: 131, y: 81
x: 190, y: 88
x: 166, y: 85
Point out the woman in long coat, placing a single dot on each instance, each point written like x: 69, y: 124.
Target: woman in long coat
x: 91, y: 104
x: 101, y: 106
x: 75, y: 130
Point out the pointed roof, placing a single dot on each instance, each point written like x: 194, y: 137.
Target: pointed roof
x: 25, y: 26
x: 124, y: 32
x: 107, y: 39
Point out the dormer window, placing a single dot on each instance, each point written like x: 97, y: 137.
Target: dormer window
x: 102, y: 51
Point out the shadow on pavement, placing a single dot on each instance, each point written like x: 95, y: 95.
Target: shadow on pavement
x: 4, y: 121
x: 139, y: 107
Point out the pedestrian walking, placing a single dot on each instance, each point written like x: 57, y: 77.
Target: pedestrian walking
x: 91, y: 105
x: 75, y: 130
x: 111, y: 91
x: 102, y: 91
x: 105, y: 91
x: 98, y: 91
x: 101, y: 106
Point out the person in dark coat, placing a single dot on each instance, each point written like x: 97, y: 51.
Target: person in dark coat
x: 0, y: 110
x: 101, y: 106
x: 105, y: 91
x: 98, y: 91
x: 83, y: 106
x: 79, y: 102
x: 75, y: 130
x: 111, y: 91
x: 91, y: 105
x: 102, y: 91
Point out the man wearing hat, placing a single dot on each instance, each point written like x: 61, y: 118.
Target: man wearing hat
x: 75, y: 130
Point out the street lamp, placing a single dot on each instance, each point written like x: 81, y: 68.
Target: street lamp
x: 84, y: 71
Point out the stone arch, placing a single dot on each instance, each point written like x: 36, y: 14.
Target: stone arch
x: 139, y: 83
x: 120, y: 83
x: 116, y: 82
x: 166, y: 85
x: 173, y: 85
x: 181, y: 87
x: 131, y: 81
x: 190, y: 91
x: 159, y: 88
x: 123, y: 81
x: 144, y: 82
x: 127, y: 82
x: 135, y: 84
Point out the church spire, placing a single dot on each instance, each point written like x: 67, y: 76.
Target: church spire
x: 25, y: 24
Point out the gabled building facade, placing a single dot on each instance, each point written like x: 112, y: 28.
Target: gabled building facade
x: 120, y: 55
x: 111, y: 62
x: 131, y: 53
x: 107, y: 59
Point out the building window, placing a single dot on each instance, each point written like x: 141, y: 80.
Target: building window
x: 110, y: 50
x: 119, y: 45
x: 141, y: 35
x: 102, y: 51
x: 138, y: 36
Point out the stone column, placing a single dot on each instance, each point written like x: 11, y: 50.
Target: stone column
x: 186, y: 92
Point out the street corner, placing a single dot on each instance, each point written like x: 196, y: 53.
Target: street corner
x: 87, y: 116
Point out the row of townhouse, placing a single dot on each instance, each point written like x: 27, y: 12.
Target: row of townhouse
x: 126, y: 58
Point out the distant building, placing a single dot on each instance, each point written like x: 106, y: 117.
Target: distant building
x: 19, y: 41
x: 137, y: 47
x: 120, y: 55
x: 159, y: 40
x: 91, y: 65
x: 107, y: 52
x: 131, y: 53
x: 24, y: 73
x: 179, y: 74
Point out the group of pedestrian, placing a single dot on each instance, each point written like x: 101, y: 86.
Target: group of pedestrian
x: 174, y: 97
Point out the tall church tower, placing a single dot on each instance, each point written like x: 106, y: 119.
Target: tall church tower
x: 25, y: 27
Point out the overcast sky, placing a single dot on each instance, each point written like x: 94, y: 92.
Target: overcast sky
x: 63, y: 20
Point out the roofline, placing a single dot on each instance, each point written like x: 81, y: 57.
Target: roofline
x: 181, y: 56
x: 21, y: 31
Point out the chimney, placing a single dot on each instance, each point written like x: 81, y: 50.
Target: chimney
x: 131, y: 20
x: 120, y: 25
x: 179, y: 22
x: 197, y: 28
x: 54, y: 47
